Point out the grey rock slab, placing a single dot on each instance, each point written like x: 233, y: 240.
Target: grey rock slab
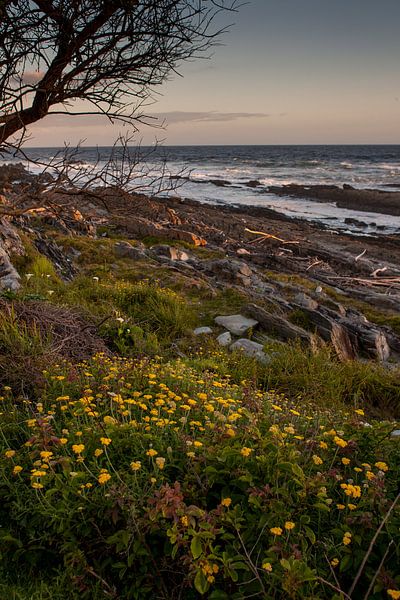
x: 225, y: 339
x: 170, y: 252
x: 250, y: 348
x: 395, y: 434
x: 236, y: 324
x: 126, y: 250
x: 202, y: 331
x: 9, y: 277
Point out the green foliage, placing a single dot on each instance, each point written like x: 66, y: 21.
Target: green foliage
x: 139, y: 479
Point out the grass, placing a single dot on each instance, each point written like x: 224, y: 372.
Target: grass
x: 143, y: 475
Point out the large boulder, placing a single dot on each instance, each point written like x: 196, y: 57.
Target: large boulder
x: 169, y: 252
x: 236, y: 324
x: 126, y: 250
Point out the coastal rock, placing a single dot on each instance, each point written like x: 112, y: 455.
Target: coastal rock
x: 202, y: 331
x: 233, y: 271
x: 236, y: 324
x: 126, y: 250
x: 250, y: 348
x: 225, y: 339
x: 9, y: 277
x: 305, y: 301
x: 170, y: 252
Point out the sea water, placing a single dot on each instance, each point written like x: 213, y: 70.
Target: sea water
x: 241, y: 175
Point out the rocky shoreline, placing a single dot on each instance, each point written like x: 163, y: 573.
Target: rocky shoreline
x: 296, y: 277
x: 347, y: 197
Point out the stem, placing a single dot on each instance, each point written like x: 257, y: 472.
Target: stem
x: 360, y: 570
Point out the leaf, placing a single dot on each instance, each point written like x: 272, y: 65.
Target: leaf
x: 200, y: 582
x: 298, y: 471
x: 310, y: 534
x: 195, y: 547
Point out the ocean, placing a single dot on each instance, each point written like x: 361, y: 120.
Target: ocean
x: 222, y: 174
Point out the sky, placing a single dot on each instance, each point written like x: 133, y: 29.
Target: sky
x: 288, y: 72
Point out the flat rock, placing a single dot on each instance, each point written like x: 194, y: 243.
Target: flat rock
x: 303, y: 300
x: 250, y: 348
x: 170, y: 252
x: 202, y: 331
x: 236, y: 324
x: 225, y: 339
x: 126, y: 250
x: 9, y: 277
x: 395, y: 434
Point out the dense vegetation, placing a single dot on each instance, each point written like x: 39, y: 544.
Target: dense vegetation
x: 167, y: 467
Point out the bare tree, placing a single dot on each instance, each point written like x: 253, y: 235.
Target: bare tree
x: 94, y: 57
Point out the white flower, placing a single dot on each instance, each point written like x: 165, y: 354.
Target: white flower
x: 28, y: 275
x: 120, y: 319
x: 50, y: 292
x: 96, y: 279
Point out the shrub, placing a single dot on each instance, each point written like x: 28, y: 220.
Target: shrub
x: 146, y: 479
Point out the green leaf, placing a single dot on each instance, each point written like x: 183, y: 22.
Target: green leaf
x: 195, y: 547
x: 200, y: 582
x: 310, y: 534
x: 298, y: 471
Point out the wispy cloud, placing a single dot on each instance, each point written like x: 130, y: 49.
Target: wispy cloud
x: 180, y: 116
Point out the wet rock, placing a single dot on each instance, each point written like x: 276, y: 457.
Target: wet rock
x: 225, y: 339
x: 250, y: 348
x: 202, y: 331
x: 126, y: 250
x: 236, y: 324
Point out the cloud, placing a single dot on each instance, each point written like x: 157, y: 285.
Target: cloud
x: 180, y: 116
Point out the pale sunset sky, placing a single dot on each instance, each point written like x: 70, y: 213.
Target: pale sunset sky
x: 289, y: 72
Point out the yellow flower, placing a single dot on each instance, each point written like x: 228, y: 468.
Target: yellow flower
x: 185, y: 521
x: 340, y: 506
x: 17, y: 469
x: 370, y: 475
x: 246, y: 451
x: 103, y: 478
x: 276, y: 530
x: 197, y: 444
x: 78, y: 448
x: 323, y: 445
x: 63, y: 441
x: 160, y: 462
x: 345, y: 461
x: 9, y: 453
x: 105, y: 441
x: 359, y: 411
x: 151, y: 452
x: 347, y: 538
x: 382, y: 466
x: 135, y: 465
x: 352, y: 506
x: 340, y: 442
x: 109, y: 420
x: 317, y: 460
x: 46, y: 454
x: 226, y: 502
x: 334, y: 562
x: 395, y: 594
x: 267, y: 567
x: 98, y: 452
x: 290, y: 525
x: 36, y: 485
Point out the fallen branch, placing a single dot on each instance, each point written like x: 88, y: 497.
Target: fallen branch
x: 268, y: 236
